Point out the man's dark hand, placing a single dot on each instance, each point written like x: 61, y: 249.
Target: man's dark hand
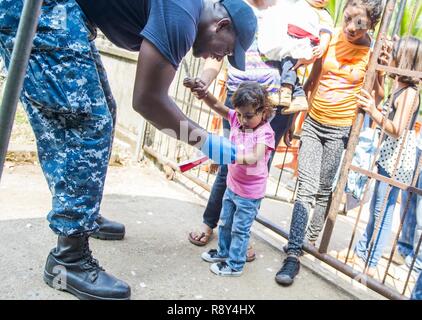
x: 288, y: 136
x: 198, y: 86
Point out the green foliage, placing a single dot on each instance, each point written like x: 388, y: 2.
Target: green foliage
x: 335, y: 7
x: 412, y: 6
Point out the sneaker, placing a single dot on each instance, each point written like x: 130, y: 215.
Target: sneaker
x: 223, y: 269
x: 288, y: 271
x: 285, y: 97
x: 212, y: 256
x: 298, y: 104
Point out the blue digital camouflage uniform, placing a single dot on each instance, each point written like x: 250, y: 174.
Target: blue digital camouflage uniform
x: 69, y: 104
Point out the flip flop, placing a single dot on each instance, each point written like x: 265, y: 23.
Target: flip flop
x: 251, y: 257
x: 203, y: 236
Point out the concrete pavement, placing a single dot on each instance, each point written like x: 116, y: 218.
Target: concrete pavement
x: 155, y: 258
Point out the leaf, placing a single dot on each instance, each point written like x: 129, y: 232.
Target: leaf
x: 407, y: 26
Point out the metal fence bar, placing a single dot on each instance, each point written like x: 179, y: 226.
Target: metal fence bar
x: 17, y: 69
x: 386, y: 180
x: 336, y: 264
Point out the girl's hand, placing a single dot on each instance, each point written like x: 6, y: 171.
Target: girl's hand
x: 386, y: 50
x: 198, y: 87
x: 366, y: 102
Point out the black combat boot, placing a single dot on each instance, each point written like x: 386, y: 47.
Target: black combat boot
x: 71, y: 267
x: 109, y: 230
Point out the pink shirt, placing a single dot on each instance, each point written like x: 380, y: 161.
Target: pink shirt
x: 249, y: 180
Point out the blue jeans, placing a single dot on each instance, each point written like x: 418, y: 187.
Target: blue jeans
x: 237, y: 216
x: 363, y: 245
x: 280, y: 124
x: 70, y: 108
x: 412, y: 225
x: 417, y: 290
x: 289, y: 76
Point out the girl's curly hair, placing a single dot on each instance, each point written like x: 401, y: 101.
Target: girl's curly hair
x: 251, y: 93
x: 374, y: 9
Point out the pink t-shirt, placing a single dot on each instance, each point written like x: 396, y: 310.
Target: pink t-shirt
x: 249, y: 180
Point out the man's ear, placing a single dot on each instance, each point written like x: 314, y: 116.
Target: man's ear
x: 223, y: 23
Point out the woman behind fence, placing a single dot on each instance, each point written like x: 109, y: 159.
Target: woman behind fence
x: 332, y: 85
x: 406, y: 54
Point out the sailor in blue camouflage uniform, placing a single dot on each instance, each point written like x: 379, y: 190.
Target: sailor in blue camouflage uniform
x: 71, y: 109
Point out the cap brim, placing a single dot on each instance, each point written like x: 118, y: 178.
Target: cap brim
x: 237, y: 60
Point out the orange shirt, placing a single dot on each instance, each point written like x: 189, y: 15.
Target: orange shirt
x: 343, y: 71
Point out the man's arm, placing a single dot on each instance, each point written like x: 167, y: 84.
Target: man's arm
x: 154, y: 75
x: 211, y: 69
x: 209, y: 73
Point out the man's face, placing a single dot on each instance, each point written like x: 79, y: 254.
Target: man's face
x: 216, y: 41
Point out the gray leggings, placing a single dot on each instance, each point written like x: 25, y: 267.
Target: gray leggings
x: 319, y: 158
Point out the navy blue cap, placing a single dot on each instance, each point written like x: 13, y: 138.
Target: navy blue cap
x: 245, y: 24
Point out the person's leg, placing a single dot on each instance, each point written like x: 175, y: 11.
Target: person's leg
x: 361, y: 247
x: 299, y: 101
x: 418, y: 233
x: 66, y: 107
x: 405, y: 242
x: 378, y: 211
x: 108, y: 230
x: 335, y: 142
x: 212, y: 211
x: 407, y: 235
x: 226, y: 222
x: 280, y: 124
x: 310, y: 157
x: 288, y: 78
x: 244, y: 216
x: 417, y: 289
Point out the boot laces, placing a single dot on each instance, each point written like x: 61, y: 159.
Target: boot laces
x: 289, y: 266
x: 90, y: 263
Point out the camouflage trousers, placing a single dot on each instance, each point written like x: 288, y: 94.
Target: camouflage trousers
x: 71, y: 109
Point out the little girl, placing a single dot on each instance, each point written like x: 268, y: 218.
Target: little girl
x: 253, y: 137
x: 406, y: 54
